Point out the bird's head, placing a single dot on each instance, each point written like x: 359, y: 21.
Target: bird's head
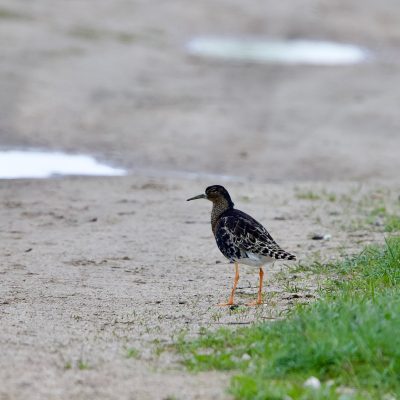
x: 216, y: 194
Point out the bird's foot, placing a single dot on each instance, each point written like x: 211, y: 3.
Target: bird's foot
x: 254, y: 303
x: 229, y: 303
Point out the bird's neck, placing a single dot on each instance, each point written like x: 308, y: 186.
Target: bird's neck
x: 219, y: 207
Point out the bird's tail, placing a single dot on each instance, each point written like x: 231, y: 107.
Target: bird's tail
x: 284, y: 255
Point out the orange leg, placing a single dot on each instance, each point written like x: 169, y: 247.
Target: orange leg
x: 259, y: 297
x: 235, y: 282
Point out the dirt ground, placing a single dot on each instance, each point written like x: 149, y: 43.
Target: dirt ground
x: 100, y: 275
x: 95, y: 268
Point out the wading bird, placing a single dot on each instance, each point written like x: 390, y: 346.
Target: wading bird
x: 240, y: 238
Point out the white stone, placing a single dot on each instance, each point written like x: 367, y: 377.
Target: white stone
x: 313, y: 383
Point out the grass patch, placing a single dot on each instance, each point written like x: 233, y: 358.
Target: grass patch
x: 392, y: 223
x: 131, y: 352
x: 348, y: 339
x: 82, y: 365
x: 67, y: 365
x: 308, y: 195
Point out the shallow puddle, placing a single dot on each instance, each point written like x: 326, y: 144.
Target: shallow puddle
x: 275, y: 51
x: 40, y: 164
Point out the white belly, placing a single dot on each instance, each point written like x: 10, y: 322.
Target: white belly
x: 256, y: 260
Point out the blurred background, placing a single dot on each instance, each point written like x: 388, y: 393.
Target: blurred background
x: 115, y: 79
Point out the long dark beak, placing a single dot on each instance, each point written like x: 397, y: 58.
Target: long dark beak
x: 200, y: 196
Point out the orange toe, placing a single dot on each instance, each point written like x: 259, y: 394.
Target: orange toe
x: 226, y: 304
x: 255, y: 303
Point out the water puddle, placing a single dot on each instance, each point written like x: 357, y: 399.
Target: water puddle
x: 16, y: 164
x: 276, y: 51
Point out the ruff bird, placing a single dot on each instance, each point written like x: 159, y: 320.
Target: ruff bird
x: 240, y: 238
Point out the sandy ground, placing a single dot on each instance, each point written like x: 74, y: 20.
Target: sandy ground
x: 93, y: 268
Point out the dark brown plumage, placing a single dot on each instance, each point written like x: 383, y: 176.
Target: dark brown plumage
x: 240, y: 238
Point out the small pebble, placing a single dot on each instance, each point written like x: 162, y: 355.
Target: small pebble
x: 378, y: 222
x: 246, y: 357
x: 319, y: 236
x: 313, y: 383
x: 293, y: 296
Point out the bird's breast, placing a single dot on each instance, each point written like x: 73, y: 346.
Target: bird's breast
x: 255, y: 260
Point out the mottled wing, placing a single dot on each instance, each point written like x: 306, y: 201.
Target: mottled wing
x: 226, y: 242
x: 239, y: 234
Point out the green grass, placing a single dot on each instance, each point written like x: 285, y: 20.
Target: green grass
x: 82, y: 365
x: 308, y: 195
x: 68, y: 365
x: 392, y: 223
x: 131, y: 352
x: 349, y: 339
